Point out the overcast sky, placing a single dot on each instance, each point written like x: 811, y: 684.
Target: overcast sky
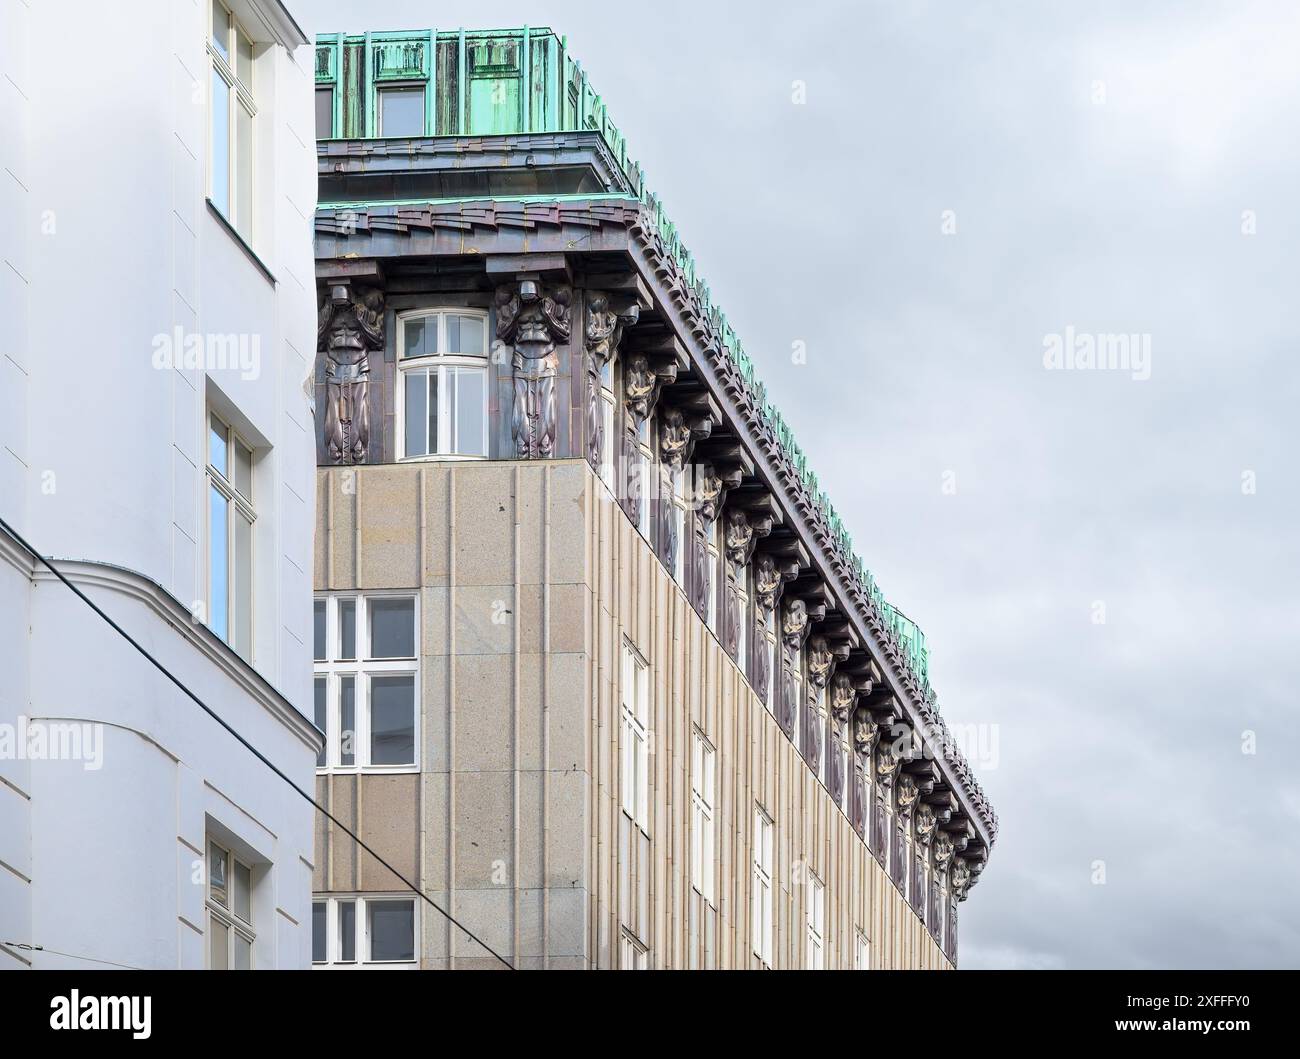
x: 1110, y: 168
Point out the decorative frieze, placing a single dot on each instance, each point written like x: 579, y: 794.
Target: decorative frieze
x: 531, y: 319
x: 349, y: 327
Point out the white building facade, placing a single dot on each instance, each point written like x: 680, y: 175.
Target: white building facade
x: 156, y: 275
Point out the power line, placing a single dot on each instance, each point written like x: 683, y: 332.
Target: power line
x: 247, y: 745
x: 69, y: 955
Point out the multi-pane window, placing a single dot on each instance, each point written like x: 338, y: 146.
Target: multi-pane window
x: 232, y: 112
x: 367, y: 673
x: 230, y: 537
x: 703, y: 784
x: 815, y: 923
x: 400, y: 110
x: 861, y: 953
x: 636, y: 737
x: 353, y: 931
x: 443, y: 362
x: 633, y: 956
x: 761, y: 898
x: 324, y: 112
x: 230, y: 910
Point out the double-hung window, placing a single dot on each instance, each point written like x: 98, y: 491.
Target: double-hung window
x: 230, y: 537
x: 232, y: 113
x: 356, y: 931
x: 815, y: 914
x: 636, y: 738
x: 443, y: 364
x: 761, y: 897
x: 703, y: 785
x: 366, y: 681
x: 230, y: 910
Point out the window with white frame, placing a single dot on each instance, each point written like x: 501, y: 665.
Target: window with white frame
x: 773, y: 670
x: 818, y: 721
x: 711, y: 572
x: 233, y: 110
x: 608, y: 441
x: 798, y: 704
x: 367, y: 676
x: 633, y: 956
x: 761, y: 898
x: 442, y: 361
x: 646, y: 476
x: 636, y: 737
x: 815, y: 916
x: 743, y: 618
x: 229, y: 902
x: 678, y: 499
x: 861, y: 953
x: 363, y: 930
x: 703, y: 784
x: 230, y: 537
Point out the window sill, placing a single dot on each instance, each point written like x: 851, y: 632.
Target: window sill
x: 249, y: 252
x: 368, y: 770
x: 441, y: 457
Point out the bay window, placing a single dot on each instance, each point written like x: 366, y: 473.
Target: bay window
x: 442, y: 358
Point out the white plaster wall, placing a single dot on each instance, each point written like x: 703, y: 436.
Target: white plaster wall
x: 106, y: 242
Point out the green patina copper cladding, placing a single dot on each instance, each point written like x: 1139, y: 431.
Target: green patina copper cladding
x: 503, y: 81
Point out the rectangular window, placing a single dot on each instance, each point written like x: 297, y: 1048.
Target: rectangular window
x: 354, y: 930
x: 232, y: 113
x: 633, y: 956
x: 230, y: 537
x: 324, y: 113
x: 761, y: 898
x: 368, y: 707
x: 861, y: 953
x: 230, y: 910
x: 711, y: 572
x: 679, y: 525
x: 401, y: 110
x: 636, y: 738
x: 443, y: 365
x: 608, y: 441
x: 645, y: 477
x: 703, y: 782
x: 816, y: 924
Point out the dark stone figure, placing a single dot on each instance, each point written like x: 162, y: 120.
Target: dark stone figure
x: 349, y: 327
x: 531, y: 322
x: 601, y: 335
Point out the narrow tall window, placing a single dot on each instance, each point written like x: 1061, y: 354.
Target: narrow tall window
x: 230, y: 910
x: 232, y: 110
x: 443, y: 362
x: 761, y: 896
x: 703, y: 783
x: 633, y: 956
x: 711, y: 566
x: 324, y: 112
x: 679, y: 524
x: 861, y: 953
x: 816, y: 924
x: 366, y: 682
x: 359, y: 930
x: 608, y: 441
x: 646, y: 476
x: 230, y: 537
x: 636, y: 738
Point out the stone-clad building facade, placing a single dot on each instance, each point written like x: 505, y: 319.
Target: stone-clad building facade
x: 597, y: 664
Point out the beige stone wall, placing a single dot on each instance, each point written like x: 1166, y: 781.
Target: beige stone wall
x: 529, y: 579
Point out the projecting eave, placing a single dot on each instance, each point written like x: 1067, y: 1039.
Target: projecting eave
x: 613, y: 242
